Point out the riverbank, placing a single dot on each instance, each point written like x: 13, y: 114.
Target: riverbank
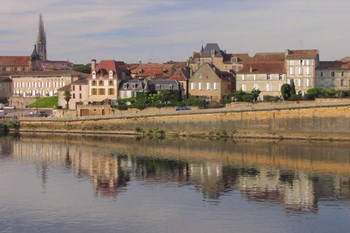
x: 306, y: 121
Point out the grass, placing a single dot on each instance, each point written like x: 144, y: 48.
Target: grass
x: 45, y: 102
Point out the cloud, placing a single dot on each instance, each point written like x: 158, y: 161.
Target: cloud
x: 173, y: 29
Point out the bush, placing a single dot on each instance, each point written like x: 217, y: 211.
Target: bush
x: 247, y: 98
x: 201, y: 103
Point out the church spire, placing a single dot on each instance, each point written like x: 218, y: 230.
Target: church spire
x: 41, y: 40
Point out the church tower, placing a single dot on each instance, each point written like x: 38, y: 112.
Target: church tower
x: 41, y: 40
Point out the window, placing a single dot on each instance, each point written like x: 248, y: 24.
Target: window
x: 100, y: 83
x: 291, y: 70
x: 299, y: 82
x: 307, y: 82
x: 192, y: 86
x: 342, y: 82
x: 171, y: 87
x: 110, y: 83
x: 332, y: 73
x: 79, y: 87
x: 199, y: 86
x: 93, y: 91
x: 73, y: 95
x: 280, y: 76
x: 80, y: 96
x: 93, y: 83
x: 268, y: 76
x: 300, y: 70
x: 269, y: 87
x: 243, y: 77
x: 342, y: 73
x: 254, y: 77
x: 73, y: 87
x: 101, y: 91
x: 208, y: 86
x: 321, y: 74
x: 307, y: 70
x: 215, y: 86
x: 255, y: 86
x: 244, y: 87
x: 111, y: 91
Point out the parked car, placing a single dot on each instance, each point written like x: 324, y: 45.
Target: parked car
x: 182, y: 108
x: 9, y: 107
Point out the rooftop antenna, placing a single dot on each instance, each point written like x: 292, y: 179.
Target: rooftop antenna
x: 301, y: 44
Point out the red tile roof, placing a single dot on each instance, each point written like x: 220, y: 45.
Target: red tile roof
x: 152, y: 70
x: 302, y: 54
x: 14, y: 60
x: 263, y: 68
x: 181, y: 74
x: 268, y: 57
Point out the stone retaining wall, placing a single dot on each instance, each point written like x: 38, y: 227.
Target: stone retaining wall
x: 304, y: 122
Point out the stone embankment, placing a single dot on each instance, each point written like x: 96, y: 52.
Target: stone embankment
x: 318, y: 120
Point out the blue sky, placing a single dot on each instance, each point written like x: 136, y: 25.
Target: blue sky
x: 163, y: 30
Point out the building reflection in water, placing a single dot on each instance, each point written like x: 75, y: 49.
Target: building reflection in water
x: 262, y: 172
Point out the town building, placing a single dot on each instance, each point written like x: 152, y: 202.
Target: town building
x: 79, y: 91
x: 301, y: 68
x: 210, y: 83
x: 265, y: 72
x: 105, y: 80
x: 42, y: 83
x: 182, y: 75
x: 333, y: 75
x: 212, y: 53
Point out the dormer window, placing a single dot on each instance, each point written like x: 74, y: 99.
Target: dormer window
x: 171, y: 87
x: 93, y: 74
x: 110, y: 74
x: 125, y: 86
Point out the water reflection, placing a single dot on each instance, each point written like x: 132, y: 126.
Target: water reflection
x: 297, y: 175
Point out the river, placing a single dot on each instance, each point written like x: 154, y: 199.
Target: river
x: 60, y: 183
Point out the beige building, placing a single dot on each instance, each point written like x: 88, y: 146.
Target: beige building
x: 301, y: 68
x: 42, y: 83
x: 333, y: 75
x: 210, y: 83
x: 264, y: 71
x: 105, y: 79
x: 79, y: 91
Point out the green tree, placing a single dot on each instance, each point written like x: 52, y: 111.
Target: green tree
x: 67, y: 96
x: 286, y: 91
x: 255, y: 94
x: 84, y: 69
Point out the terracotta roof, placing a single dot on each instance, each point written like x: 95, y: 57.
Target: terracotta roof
x: 345, y: 59
x: 81, y: 81
x: 50, y: 73
x: 302, y: 54
x: 263, y: 68
x: 153, y: 70
x: 64, y: 88
x: 181, y: 74
x: 14, y: 60
x: 268, y: 57
x: 104, y: 66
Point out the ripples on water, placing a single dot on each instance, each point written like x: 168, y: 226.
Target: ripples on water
x: 95, y: 184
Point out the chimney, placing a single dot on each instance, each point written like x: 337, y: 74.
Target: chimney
x: 93, y: 64
x: 250, y: 69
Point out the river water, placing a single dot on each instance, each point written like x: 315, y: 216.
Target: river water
x: 53, y: 183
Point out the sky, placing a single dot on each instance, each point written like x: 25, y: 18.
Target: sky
x: 165, y: 30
